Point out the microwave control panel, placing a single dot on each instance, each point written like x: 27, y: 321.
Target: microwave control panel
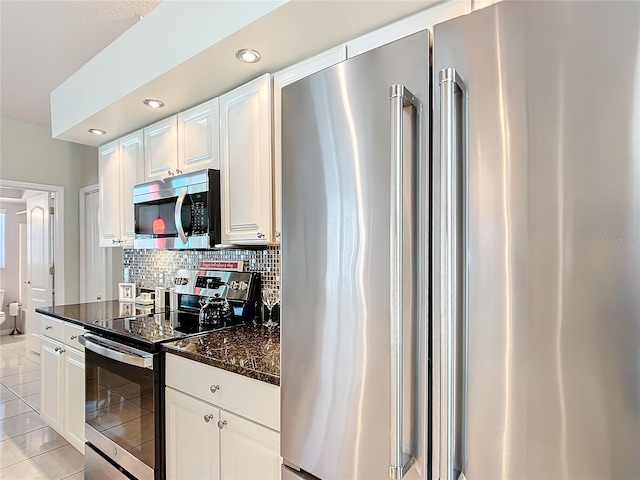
x: 199, y: 218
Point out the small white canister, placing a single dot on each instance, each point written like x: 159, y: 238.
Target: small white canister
x: 159, y: 297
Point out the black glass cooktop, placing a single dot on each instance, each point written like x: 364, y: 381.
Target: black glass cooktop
x: 157, y: 328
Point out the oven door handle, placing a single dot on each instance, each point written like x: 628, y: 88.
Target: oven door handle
x: 116, y: 351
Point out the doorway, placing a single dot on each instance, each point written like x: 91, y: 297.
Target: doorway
x: 44, y: 283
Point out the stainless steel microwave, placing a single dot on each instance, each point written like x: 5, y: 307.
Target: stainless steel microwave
x: 178, y: 212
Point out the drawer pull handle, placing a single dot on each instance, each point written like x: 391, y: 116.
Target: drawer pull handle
x: 73, y: 337
x: 214, y: 388
x: 48, y: 327
x: 222, y: 424
x: 207, y: 418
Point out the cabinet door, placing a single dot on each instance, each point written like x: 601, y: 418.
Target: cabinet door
x: 161, y: 148
x: 51, y: 378
x: 280, y: 80
x: 109, y: 186
x: 74, y: 397
x: 199, y: 137
x: 131, y: 172
x: 245, y: 163
x: 193, y: 438
x: 248, y: 451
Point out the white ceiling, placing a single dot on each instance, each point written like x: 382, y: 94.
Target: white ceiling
x: 42, y: 43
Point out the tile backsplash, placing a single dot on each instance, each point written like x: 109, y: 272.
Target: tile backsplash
x: 151, y: 268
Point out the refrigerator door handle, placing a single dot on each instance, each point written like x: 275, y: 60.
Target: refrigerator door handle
x: 452, y: 281
x: 400, y: 462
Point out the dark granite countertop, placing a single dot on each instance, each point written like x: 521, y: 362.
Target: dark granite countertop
x: 247, y: 350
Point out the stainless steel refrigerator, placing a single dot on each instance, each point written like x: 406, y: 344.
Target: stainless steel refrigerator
x: 475, y: 313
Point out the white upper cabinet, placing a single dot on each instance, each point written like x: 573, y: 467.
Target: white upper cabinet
x: 183, y: 143
x: 161, y: 148
x: 109, y: 179
x: 120, y: 167
x: 245, y: 163
x: 131, y: 172
x: 280, y: 80
x: 199, y: 137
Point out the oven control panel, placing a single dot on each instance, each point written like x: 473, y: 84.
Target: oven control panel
x: 213, y: 283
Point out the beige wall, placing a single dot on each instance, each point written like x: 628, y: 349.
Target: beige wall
x: 29, y: 154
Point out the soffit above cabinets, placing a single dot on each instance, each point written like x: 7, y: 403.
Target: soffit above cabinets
x: 183, y: 53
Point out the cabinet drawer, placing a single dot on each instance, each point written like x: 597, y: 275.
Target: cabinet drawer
x: 71, y: 334
x: 252, y: 399
x: 51, y: 327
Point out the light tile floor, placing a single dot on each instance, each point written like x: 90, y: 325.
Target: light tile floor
x: 29, y: 448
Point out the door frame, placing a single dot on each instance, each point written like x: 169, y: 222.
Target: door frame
x: 58, y: 233
x: 83, y: 225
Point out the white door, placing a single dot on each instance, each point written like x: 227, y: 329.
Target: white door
x: 51, y: 377
x: 131, y: 173
x: 39, y: 278
x: 199, y: 137
x: 161, y: 148
x: 245, y: 163
x: 109, y: 182
x: 248, y: 451
x: 93, y: 276
x: 188, y: 419
x: 74, y: 390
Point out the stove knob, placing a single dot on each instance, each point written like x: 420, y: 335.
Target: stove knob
x: 244, y: 285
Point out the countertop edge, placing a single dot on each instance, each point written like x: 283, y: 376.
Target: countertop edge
x: 245, y: 372
x: 62, y: 317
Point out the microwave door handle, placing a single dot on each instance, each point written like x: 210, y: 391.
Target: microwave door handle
x: 177, y: 215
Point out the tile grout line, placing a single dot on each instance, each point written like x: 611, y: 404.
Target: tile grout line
x: 38, y: 455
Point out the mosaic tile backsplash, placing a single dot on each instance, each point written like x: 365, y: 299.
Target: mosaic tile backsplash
x: 156, y: 268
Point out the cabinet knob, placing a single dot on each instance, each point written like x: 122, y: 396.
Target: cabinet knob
x: 98, y: 297
x: 278, y: 234
x: 170, y: 173
x: 114, y: 241
x: 207, y: 418
x: 214, y: 388
x: 260, y: 235
x: 222, y: 424
x: 178, y: 171
x: 48, y: 327
x: 28, y: 282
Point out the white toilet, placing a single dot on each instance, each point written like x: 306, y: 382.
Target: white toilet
x: 3, y: 327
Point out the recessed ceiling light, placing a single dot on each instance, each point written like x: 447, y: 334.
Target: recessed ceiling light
x: 97, y: 131
x: 248, y: 55
x: 150, y: 102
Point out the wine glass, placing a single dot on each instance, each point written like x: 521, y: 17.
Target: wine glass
x: 270, y: 298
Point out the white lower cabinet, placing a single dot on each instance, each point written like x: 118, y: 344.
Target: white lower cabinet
x: 62, y: 381
x: 51, y: 372
x: 248, y: 450
x: 187, y: 418
x: 229, y: 446
x: 74, y: 416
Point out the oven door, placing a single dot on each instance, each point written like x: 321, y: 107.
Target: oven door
x: 122, y: 400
